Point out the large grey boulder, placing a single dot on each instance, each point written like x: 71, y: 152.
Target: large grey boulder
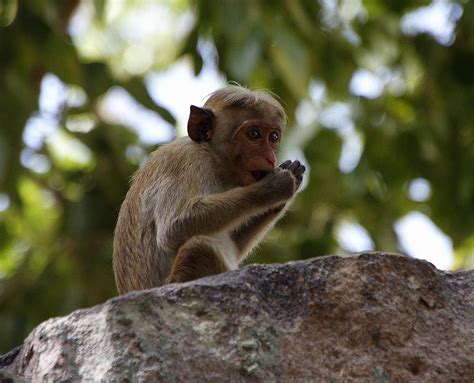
x: 371, y: 317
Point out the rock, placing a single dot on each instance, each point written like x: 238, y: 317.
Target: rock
x: 6, y: 377
x: 371, y: 317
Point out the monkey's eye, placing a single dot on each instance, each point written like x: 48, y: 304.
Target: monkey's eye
x: 254, y: 134
x: 274, y: 136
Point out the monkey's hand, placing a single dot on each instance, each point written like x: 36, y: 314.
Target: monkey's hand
x: 297, y: 169
x: 278, y: 186
x: 285, y: 179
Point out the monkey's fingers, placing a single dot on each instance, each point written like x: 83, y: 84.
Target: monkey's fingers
x: 293, y: 166
x: 299, y: 171
x: 297, y: 168
x: 299, y: 179
x: 285, y: 164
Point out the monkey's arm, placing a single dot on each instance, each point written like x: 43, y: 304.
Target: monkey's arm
x: 247, y: 235
x: 217, y: 212
x: 250, y: 233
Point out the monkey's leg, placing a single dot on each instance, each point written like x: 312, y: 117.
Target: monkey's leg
x: 197, y: 258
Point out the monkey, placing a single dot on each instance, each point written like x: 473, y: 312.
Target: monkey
x: 201, y: 203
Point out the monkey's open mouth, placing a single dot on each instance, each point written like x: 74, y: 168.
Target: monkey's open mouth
x: 258, y: 174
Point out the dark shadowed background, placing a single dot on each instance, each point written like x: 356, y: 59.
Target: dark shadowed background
x: 380, y: 99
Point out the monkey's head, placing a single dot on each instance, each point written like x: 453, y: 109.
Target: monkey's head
x: 243, y: 128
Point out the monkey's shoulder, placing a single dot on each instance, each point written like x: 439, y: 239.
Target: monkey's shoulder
x: 176, y: 164
x: 180, y: 154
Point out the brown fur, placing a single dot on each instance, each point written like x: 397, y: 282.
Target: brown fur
x: 196, y: 259
x: 189, y: 213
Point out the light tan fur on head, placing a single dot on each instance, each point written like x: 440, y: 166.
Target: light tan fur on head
x: 240, y: 97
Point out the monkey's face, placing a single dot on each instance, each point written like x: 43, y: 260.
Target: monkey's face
x: 243, y: 140
x: 255, y: 147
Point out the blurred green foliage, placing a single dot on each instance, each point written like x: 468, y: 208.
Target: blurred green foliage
x: 56, y: 226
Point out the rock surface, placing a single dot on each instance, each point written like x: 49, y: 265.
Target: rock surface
x: 371, y: 317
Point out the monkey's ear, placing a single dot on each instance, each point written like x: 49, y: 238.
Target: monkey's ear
x: 200, y: 124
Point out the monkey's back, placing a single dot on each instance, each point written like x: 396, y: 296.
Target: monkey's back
x: 161, y: 189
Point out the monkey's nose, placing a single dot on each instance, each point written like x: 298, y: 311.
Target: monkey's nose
x: 271, y: 159
x: 271, y: 163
